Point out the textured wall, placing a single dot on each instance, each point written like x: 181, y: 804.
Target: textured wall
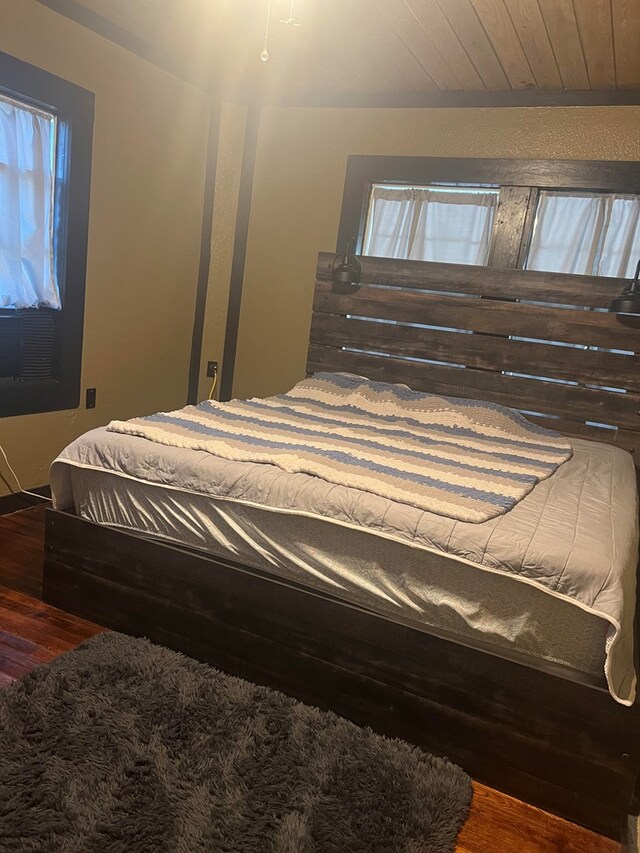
x: 225, y: 207
x: 297, y: 196
x: 144, y: 232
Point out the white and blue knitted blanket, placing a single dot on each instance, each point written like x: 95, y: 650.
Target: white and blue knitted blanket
x: 464, y: 459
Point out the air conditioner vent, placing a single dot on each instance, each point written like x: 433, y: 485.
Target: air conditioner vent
x: 11, y: 346
x: 39, y: 337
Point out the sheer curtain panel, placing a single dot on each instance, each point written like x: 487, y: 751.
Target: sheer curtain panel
x: 27, y: 178
x: 430, y: 223
x: 587, y: 233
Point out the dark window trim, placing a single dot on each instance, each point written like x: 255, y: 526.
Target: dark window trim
x: 205, y: 252
x: 74, y: 108
x: 241, y: 238
x: 512, y: 229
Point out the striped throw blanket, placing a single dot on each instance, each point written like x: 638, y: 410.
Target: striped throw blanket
x: 464, y: 459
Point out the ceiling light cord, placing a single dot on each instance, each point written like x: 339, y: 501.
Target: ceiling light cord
x: 291, y: 20
x: 264, y: 56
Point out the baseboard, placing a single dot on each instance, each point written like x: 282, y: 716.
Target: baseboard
x: 18, y: 500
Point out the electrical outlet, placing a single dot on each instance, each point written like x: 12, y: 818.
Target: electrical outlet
x: 91, y: 398
x: 212, y: 369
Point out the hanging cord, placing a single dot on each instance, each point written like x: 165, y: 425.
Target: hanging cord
x: 15, y: 477
x: 291, y: 20
x: 213, y: 385
x: 264, y: 56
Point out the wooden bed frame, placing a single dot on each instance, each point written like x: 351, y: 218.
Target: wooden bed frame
x: 540, y: 732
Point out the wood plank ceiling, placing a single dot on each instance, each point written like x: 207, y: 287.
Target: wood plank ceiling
x: 393, y: 46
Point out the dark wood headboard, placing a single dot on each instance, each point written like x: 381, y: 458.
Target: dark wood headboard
x: 483, y: 300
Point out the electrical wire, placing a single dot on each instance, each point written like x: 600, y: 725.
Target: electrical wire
x: 291, y: 20
x: 264, y: 56
x: 6, y: 482
x: 17, y: 481
x: 43, y: 497
x: 213, y: 385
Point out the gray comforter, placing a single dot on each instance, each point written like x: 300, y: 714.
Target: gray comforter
x: 574, y: 536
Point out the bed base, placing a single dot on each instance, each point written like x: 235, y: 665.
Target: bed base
x: 562, y: 745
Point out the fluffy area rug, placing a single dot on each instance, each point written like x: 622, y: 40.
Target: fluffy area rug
x: 121, y: 745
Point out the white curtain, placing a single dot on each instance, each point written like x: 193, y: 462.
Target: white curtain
x: 587, y: 233
x: 27, y: 170
x: 430, y: 224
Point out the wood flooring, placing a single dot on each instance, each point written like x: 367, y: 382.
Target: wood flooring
x: 32, y: 633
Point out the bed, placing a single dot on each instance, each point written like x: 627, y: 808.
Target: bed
x: 448, y: 651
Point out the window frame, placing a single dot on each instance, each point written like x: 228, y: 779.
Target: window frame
x: 519, y: 180
x: 602, y: 235
x: 74, y: 109
x: 450, y: 189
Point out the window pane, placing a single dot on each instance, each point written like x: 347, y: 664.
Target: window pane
x: 27, y: 179
x: 586, y: 233
x: 446, y: 224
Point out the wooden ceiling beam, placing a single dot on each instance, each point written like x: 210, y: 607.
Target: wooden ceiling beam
x: 454, y: 100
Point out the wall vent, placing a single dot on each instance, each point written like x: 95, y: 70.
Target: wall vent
x: 11, y: 346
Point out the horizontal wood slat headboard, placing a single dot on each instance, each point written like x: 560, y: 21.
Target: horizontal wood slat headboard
x: 483, y: 314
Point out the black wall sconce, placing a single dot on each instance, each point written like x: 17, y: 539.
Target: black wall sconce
x: 629, y: 300
x: 346, y: 269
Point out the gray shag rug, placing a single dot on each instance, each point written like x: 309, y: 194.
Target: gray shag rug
x: 121, y: 745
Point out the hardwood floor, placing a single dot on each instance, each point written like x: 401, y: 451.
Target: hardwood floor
x: 32, y: 633
x: 21, y: 549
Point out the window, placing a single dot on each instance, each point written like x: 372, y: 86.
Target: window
x: 559, y: 216
x: 28, y: 276
x: 46, y: 127
x: 436, y: 223
x: 588, y: 233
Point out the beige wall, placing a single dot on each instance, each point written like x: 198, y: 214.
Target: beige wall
x: 233, y: 119
x: 144, y: 231
x: 297, y: 196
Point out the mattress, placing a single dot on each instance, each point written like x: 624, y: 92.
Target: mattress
x: 481, y: 583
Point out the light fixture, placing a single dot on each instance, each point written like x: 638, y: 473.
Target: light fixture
x: 264, y: 56
x: 629, y: 300
x: 346, y: 269
x: 291, y: 21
